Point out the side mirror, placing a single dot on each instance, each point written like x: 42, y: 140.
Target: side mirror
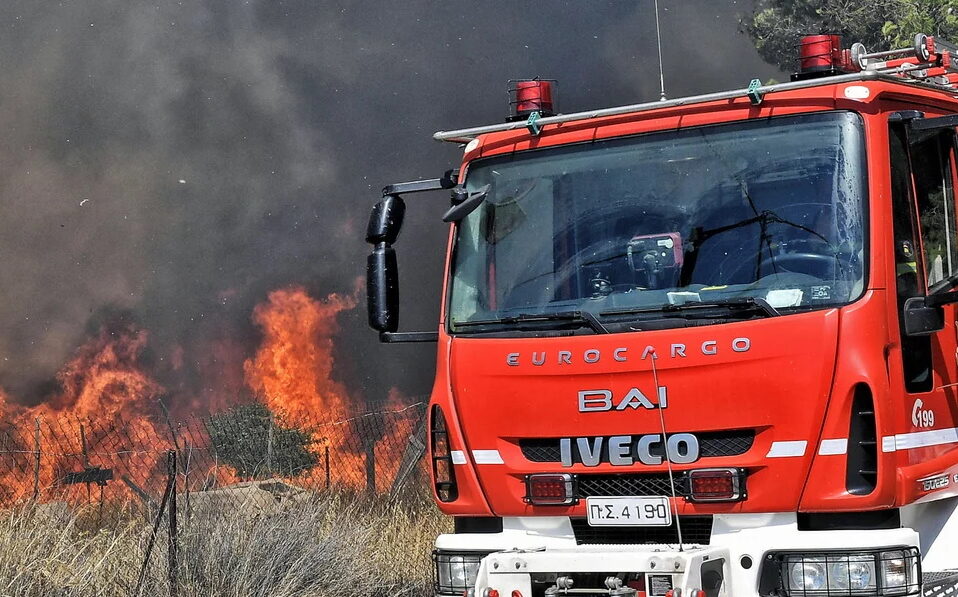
x: 465, y: 203
x: 382, y: 269
x: 922, y: 319
x: 385, y: 221
x: 382, y: 288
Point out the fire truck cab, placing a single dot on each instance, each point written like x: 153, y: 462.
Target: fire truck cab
x: 703, y: 346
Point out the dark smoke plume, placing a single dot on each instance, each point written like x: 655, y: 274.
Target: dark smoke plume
x: 169, y: 163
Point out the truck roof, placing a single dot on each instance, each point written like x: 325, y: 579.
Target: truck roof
x: 755, y: 92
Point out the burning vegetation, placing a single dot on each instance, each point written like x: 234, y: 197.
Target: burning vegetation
x: 108, y: 418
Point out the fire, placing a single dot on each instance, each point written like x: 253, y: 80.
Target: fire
x: 106, y: 410
x: 293, y: 374
x: 293, y: 368
x: 104, y: 379
x: 103, y: 382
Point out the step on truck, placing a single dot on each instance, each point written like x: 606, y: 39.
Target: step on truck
x: 700, y: 347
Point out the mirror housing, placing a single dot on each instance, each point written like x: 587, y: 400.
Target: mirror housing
x: 382, y: 289
x: 385, y: 220
x: 464, y: 203
x: 921, y: 318
x: 382, y: 268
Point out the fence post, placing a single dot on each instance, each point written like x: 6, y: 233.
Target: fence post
x: 326, y: 456
x: 86, y: 460
x: 269, y: 446
x: 169, y: 493
x: 36, y: 459
x: 186, y: 478
x: 370, y: 445
x: 172, y: 551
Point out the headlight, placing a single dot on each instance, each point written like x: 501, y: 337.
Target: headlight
x: 806, y: 574
x: 456, y: 571
x: 857, y: 573
x: 885, y: 573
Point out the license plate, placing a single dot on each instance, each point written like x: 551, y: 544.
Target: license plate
x: 629, y: 511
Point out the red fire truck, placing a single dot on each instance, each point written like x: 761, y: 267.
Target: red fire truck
x: 704, y: 346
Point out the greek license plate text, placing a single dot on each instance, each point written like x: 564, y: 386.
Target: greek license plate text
x: 629, y: 511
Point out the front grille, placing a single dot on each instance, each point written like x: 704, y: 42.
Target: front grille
x: 695, y: 529
x: 732, y: 442
x: 630, y: 484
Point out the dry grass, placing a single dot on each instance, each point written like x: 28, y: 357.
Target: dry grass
x: 337, y: 544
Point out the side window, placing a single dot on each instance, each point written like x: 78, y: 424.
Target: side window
x: 910, y: 279
x: 934, y: 195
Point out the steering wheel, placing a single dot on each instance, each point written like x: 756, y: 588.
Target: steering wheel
x: 597, y: 255
x: 811, y: 264
x: 815, y: 257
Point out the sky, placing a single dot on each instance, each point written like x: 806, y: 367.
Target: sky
x: 169, y: 163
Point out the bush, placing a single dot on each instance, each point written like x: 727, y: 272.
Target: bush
x: 252, y: 440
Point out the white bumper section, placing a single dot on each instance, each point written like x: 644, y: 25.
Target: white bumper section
x: 530, y: 546
x: 510, y: 571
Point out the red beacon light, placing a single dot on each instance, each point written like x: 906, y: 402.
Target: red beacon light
x: 820, y: 52
x: 527, y: 96
x: 822, y: 55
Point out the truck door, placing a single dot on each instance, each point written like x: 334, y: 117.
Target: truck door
x: 925, y: 250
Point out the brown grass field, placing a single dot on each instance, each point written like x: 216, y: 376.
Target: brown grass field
x: 330, y: 545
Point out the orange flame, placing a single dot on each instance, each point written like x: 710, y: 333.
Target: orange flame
x: 292, y: 372
x: 293, y: 368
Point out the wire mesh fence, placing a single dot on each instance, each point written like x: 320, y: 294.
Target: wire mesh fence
x: 88, y: 461
x: 245, y: 459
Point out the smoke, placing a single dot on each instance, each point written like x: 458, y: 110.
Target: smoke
x: 169, y: 164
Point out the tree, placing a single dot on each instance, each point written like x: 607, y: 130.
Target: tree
x: 776, y: 26
x: 253, y: 441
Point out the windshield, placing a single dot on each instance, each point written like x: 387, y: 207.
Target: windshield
x: 766, y: 211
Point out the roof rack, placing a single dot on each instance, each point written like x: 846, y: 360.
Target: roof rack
x: 928, y: 63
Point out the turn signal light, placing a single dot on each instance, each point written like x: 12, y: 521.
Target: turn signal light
x: 716, y: 485
x: 550, y: 489
x: 443, y: 472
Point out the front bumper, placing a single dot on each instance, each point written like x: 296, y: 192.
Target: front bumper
x: 530, y: 554
x: 654, y: 570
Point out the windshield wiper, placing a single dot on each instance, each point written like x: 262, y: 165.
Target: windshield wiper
x: 581, y: 317
x: 745, y: 303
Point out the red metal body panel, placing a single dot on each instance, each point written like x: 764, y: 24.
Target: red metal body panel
x: 794, y: 384
x: 500, y: 403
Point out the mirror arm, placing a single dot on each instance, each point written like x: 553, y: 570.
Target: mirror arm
x: 941, y: 298
x: 401, y: 337
x: 446, y: 181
